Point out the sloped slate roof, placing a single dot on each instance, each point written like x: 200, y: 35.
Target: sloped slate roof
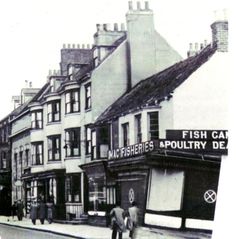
x: 153, y: 90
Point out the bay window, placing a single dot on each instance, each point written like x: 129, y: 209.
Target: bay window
x: 54, y: 148
x: 72, y: 101
x: 54, y: 111
x: 37, y: 153
x: 72, y: 145
x: 37, y: 120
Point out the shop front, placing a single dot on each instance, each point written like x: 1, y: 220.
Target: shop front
x: 48, y: 185
x: 171, y: 189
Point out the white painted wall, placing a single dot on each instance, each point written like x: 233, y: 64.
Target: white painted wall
x: 201, y: 102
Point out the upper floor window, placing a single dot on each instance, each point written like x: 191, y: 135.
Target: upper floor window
x: 26, y: 157
x: 88, y: 139
x: 54, y: 148
x: 37, y: 120
x: 88, y: 96
x: 125, y: 130
x: 153, y: 125
x: 54, y: 111
x: 72, y: 101
x: 138, y: 131
x: 37, y: 153
x: 52, y: 85
x: 72, y: 146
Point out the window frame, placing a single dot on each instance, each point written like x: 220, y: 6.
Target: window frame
x: 54, y: 104
x: 70, y: 188
x: 151, y: 132
x: 36, y: 154
x: 72, y: 101
x: 70, y: 142
x: 36, y: 121
x: 55, y: 141
x: 125, y: 134
x: 88, y: 140
x: 138, y: 128
x: 88, y: 103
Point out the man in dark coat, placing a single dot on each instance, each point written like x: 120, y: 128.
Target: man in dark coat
x: 42, y: 211
x: 34, y: 211
x: 19, y: 210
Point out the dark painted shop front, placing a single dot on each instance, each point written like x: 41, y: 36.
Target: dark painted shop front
x: 172, y: 189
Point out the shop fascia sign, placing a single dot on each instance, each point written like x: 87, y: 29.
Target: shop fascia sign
x: 198, y: 141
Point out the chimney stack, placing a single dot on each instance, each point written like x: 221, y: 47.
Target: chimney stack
x: 220, y: 33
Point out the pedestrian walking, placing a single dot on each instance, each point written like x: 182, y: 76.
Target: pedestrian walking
x: 34, y: 211
x: 132, y: 221
x: 19, y: 210
x: 42, y: 210
x: 117, y: 215
x: 13, y: 209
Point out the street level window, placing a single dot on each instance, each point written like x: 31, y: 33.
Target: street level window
x: 88, y: 139
x: 153, y: 126
x: 138, y: 131
x: 37, y: 153
x: 73, y: 188
x: 54, y: 148
x: 37, y: 120
x: 3, y: 163
x: 54, y: 111
x: 72, y: 143
x: 88, y: 96
x: 111, y: 195
x: 125, y: 130
x: 72, y: 101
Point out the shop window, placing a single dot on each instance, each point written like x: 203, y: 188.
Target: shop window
x: 37, y: 153
x: 54, y: 111
x: 54, y: 148
x: 97, y: 193
x: 125, y: 130
x: 88, y: 140
x: 72, y: 101
x: 153, y: 125
x: 138, y: 131
x: 73, y: 188
x: 88, y: 96
x: 165, y: 190
x: 72, y: 143
x: 37, y: 120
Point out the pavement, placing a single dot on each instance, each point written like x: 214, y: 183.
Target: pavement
x: 95, y: 232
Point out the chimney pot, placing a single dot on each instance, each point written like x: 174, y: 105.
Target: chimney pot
x: 196, y: 47
x: 130, y: 5
x: 73, y: 45
x: 98, y: 27
x: 190, y: 46
x: 205, y: 42
x: 64, y: 46
x: 138, y: 5
x: 122, y: 27
x: 105, y: 27
x: 88, y: 46
x: 146, y: 5
x: 83, y: 46
x: 201, y: 46
x: 116, y: 27
x: 68, y: 46
x: 78, y: 46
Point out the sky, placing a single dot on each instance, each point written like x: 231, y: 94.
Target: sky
x: 34, y: 31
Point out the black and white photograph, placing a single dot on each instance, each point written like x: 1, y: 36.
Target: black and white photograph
x: 116, y: 119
